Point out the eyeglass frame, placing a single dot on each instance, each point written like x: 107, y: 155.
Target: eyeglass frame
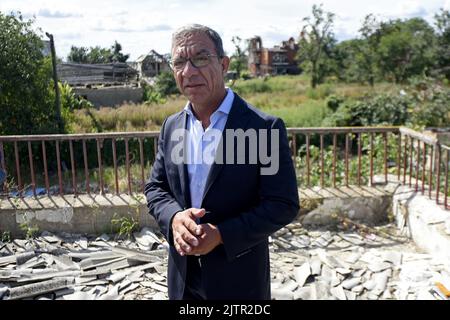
x: 209, y: 55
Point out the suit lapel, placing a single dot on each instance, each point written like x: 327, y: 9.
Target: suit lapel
x: 182, y: 167
x: 237, y: 118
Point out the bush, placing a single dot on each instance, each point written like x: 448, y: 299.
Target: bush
x: 69, y: 103
x: 423, y: 103
x: 430, y: 103
x: 151, y: 96
x: 165, y: 84
x: 333, y: 102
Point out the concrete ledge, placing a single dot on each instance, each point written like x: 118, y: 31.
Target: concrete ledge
x: 423, y: 220
x: 321, y: 206
x: 83, y: 214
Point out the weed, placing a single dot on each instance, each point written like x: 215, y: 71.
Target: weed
x: 6, y: 236
x: 125, y: 225
x: 30, y: 231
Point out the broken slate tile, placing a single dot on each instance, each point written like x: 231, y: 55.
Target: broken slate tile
x: 103, y: 237
x: 282, y: 294
x: 155, y: 286
x: 316, y: 266
x: 393, y: 257
x: 350, y: 295
x: 343, y: 271
x: 289, y: 285
x: 379, y: 266
x: 369, y: 285
x: 351, y: 283
x: 159, y: 296
x: 358, y: 289
x: 112, y: 294
x: 130, y: 288
x: 302, y: 273
x: 304, y: 293
x: 387, y: 295
x: 381, y: 281
x: 338, y: 292
x: 352, y: 258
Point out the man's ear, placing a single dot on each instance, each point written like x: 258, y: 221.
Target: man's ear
x: 225, y: 64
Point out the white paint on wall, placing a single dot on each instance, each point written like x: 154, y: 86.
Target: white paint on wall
x: 60, y: 215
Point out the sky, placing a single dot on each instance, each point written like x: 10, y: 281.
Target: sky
x: 140, y: 26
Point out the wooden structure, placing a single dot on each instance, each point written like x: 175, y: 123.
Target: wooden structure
x: 76, y: 74
x: 150, y: 65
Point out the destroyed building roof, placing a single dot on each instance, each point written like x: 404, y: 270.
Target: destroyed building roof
x: 86, y: 74
x: 153, y: 54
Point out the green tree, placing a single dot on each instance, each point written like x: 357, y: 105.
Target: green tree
x: 442, y: 22
x: 316, y: 43
x: 26, y: 99
x: 97, y: 54
x: 116, y: 53
x: 366, y: 51
x: 407, y: 48
x: 239, y: 57
x: 78, y: 55
x: 348, y: 61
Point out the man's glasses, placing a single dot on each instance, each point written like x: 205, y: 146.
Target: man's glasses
x: 198, y: 61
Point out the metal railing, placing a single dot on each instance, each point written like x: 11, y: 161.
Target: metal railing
x: 68, y: 164
x: 350, y: 134
x: 38, y: 150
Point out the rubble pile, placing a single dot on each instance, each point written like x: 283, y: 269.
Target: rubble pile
x: 321, y: 264
x: 72, y: 267
x: 306, y: 264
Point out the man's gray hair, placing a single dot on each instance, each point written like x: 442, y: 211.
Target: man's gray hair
x: 194, y: 28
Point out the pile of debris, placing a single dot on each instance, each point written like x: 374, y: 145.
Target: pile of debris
x: 307, y: 264
x: 73, y: 267
x: 323, y: 264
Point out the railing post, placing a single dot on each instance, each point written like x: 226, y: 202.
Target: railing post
x: 308, y: 172
x: 2, y: 163
x: 19, y: 176
x: 438, y: 172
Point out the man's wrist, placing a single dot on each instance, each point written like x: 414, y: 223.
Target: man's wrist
x: 218, y: 235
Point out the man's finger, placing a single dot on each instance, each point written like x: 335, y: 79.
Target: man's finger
x: 189, y: 238
x: 177, y: 247
x: 183, y: 244
x: 199, y: 230
x: 198, y: 213
x: 192, y: 227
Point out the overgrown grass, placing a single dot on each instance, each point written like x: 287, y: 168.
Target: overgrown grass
x: 308, y: 114
x: 128, y: 117
x: 289, y: 97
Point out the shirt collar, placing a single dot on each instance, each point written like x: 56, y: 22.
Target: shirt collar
x: 224, y: 107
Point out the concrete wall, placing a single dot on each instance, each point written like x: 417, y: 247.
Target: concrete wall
x: 83, y: 214
x: 111, y: 96
x: 427, y: 223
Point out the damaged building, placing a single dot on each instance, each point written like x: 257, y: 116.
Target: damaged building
x: 150, y: 65
x: 113, y: 84
x: 106, y: 85
x: 272, y: 61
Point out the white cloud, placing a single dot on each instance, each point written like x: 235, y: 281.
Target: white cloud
x: 46, y: 13
x: 141, y: 25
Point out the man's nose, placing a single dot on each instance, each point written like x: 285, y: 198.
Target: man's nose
x: 189, y: 69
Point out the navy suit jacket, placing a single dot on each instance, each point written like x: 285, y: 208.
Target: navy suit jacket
x: 246, y: 207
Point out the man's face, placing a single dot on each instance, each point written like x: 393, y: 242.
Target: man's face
x: 203, y: 85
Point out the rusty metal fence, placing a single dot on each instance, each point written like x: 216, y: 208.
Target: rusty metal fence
x: 120, y: 162
x: 74, y: 158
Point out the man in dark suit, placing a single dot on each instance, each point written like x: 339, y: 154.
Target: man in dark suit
x: 215, y: 200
